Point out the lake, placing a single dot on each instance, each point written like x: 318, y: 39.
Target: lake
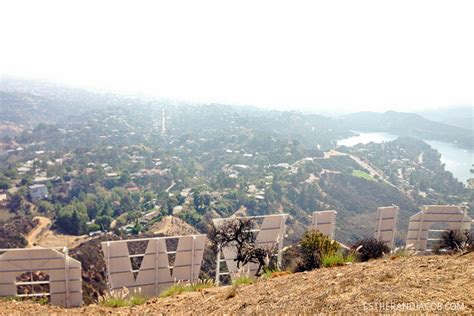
x: 457, y: 160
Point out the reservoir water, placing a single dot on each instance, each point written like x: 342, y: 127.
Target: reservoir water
x: 457, y: 160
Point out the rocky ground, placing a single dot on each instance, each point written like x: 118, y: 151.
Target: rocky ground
x: 432, y: 284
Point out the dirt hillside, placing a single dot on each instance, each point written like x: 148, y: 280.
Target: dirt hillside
x: 172, y: 226
x: 433, y: 284
x: 43, y: 236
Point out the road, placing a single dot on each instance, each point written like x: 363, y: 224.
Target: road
x: 38, y: 231
x: 170, y: 187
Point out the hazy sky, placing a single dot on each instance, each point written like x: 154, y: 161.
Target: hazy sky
x: 326, y: 55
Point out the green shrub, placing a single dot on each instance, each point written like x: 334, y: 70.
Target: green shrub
x: 43, y: 300
x: 174, y: 290
x: 370, y: 248
x: 242, y: 280
x: 333, y: 260
x: 314, y: 245
x: 8, y: 298
x: 337, y: 259
x: 4, y: 185
x: 350, y: 257
x: 137, y: 300
x: 181, y: 288
x: 121, y: 299
x: 93, y: 227
x: 114, y: 302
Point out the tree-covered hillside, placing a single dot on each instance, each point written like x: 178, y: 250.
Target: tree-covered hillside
x: 108, y: 163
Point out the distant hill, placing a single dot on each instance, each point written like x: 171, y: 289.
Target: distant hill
x: 27, y: 109
x: 408, y: 124
x: 29, y: 102
x: 460, y: 116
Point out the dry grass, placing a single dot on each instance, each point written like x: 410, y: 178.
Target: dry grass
x: 277, y: 274
x: 181, y: 288
x: 411, y: 284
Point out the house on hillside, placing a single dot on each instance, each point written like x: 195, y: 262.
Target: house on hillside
x: 38, y: 192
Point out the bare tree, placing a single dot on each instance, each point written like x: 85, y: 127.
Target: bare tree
x: 238, y: 233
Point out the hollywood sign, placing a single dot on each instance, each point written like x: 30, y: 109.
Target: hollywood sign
x: 154, y: 264
x: 420, y: 227
x: 41, y: 272
x: 156, y: 267
x: 325, y: 222
x: 385, y: 225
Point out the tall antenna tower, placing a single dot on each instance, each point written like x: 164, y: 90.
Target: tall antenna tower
x: 163, y: 121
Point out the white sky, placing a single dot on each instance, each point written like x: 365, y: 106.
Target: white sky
x: 313, y: 55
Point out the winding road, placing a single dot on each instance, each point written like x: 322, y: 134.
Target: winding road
x: 38, y: 231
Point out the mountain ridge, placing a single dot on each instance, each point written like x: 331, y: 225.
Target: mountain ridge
x: 456, y: 115
x: 408, y: 124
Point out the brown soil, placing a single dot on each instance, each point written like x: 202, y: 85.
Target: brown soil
x: 432, y: 284
x: 172, y: 226
x: 41, y: 235
x: 42, y: 224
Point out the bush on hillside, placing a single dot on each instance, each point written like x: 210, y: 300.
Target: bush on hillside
x: 181, y: 288
x: 456, y: 241
x: 370, y: 248
x: 122, y: 298
x: 337, y: 259
x: 313, y: 246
